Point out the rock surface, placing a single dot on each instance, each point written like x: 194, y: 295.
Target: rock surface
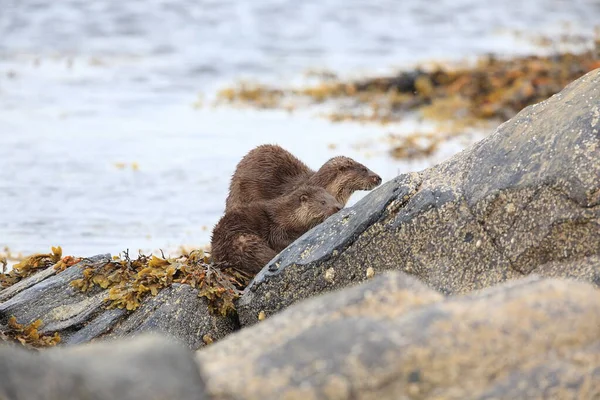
x: 145, y: 368
x: 79, y: 317
x: 525, y: 199
x: 521, y: 206
x: 392, y: 338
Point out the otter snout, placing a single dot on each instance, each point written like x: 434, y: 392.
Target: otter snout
x: 336, y: 208
x: 375, y: 179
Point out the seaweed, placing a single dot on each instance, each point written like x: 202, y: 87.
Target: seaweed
x: 413, y: 146
x: 492, y: 89
x: 458, y: 99
x: 32, y: 264
x: 129, y: 281
x: 28, y: 335
x: 66, y: 262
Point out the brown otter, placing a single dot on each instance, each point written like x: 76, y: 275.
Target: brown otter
x: 249, y: 236
x: 269, y: 171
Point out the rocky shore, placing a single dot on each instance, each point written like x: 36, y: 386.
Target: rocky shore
x: 477, y: 278
x: 454, y: 99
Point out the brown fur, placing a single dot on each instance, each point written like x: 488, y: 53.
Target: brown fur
x: 269, y: 171
x: 249, y: 236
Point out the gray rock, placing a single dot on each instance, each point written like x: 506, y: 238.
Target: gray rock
x: 525, y: 199
x: 179, y: 312
x: 52, y: 292
x: 79, y: 317
x: 7, y: 293
x: 148, y: 367
x: 392, y: 338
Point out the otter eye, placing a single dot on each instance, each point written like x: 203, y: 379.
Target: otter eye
x: 364, y: 169
x: 323, y: 202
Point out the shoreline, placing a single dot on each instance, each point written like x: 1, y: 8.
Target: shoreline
x: 409, y: 126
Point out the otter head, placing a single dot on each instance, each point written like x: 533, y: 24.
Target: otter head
x: 314, y: 205
x: 342, y: 176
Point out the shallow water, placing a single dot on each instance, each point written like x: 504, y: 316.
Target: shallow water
x: 86, y: 85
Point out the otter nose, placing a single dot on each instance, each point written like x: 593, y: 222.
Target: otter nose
x: 337, y: 207
x: 376, y: 179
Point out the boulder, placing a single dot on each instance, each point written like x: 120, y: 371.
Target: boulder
x: 525, y: 199
x: 178, y: 311
x: 147, y: 367
x: 393, y: 338
x: 80, y: 317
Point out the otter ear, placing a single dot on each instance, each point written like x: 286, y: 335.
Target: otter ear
x: 304, y: 198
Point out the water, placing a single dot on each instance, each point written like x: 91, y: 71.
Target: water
x: 87, y: 85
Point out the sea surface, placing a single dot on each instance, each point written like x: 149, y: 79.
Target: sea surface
x: 102, y: 148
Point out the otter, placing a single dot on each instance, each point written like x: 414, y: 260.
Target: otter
x: 269, y: 171
x: 249, y: 236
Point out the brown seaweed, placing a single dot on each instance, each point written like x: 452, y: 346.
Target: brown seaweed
x: 28, y: 335
x: 130, y: 281
x: 32, y: 264
x: 493, y: 88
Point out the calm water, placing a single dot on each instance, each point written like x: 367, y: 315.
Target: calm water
x: 86, y: 85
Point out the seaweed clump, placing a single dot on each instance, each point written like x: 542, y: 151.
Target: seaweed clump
x: 491, y: 89
x: 129, y: 281
x: 413, y: 146
x: 28, y: 335
x: 35, y: 263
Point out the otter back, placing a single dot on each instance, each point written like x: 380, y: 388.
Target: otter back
x: 266, y: 172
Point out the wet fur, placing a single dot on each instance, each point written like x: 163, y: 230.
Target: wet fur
x: 269, y: 171
x: 248, y: 237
